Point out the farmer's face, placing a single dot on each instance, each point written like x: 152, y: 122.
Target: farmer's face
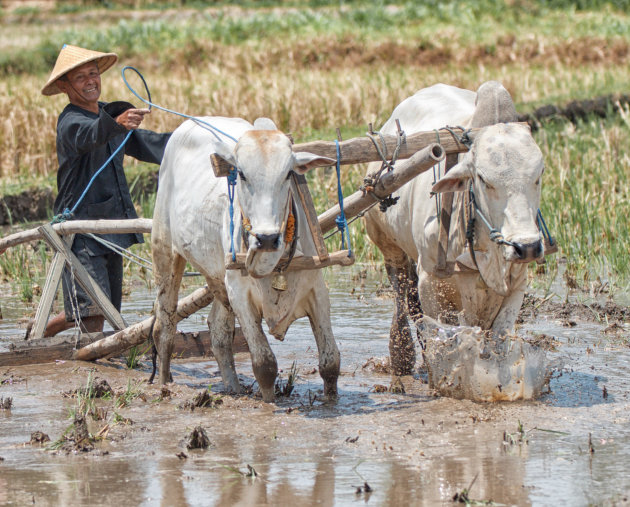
x: 83, y: 86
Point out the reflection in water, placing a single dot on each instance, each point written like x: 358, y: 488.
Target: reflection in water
x: 412, y: 449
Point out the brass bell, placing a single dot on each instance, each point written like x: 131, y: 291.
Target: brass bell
x: 279, y: 281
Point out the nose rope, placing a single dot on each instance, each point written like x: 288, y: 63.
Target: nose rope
x: 495, y: 234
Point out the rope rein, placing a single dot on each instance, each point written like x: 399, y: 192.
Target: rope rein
x: 231, y: 183
x: 203, y: 124
x: 342, y: 223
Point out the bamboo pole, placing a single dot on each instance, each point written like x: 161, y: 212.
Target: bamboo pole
x: 139, y: 332
x: 140, y: 225
x: 387, y: 183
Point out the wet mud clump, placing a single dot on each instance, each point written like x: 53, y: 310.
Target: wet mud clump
x: 78, y: 439
x: 202, y: 399
x: 98, y: 389
x: 197, y: 439
x: 377, y: 365
x: 39, y: 438
x: 6, y: 403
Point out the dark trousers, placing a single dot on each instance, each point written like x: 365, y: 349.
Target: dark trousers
x: 107, y: 271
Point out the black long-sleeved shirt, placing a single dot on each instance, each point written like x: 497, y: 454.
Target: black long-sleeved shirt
x: 85, y: 140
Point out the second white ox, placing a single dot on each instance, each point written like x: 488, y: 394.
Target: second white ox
x: 192, y: 223
x: 503, y: 171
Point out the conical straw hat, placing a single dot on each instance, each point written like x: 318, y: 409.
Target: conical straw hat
x: 71, y: 57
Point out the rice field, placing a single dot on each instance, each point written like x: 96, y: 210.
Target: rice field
x: 316, y: 66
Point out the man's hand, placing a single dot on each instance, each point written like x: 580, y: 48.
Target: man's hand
x: 132, y: 118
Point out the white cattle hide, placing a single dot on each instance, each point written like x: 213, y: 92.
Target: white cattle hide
x: 504, y: 166
x: 191, y: 223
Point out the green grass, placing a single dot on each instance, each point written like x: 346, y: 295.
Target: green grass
x: 586, y: 197
x: 431, y: 23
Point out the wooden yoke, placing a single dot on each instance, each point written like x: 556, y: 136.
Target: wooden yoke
x: 442, y: 268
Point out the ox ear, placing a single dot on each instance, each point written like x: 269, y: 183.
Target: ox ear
x: 305, y: 161
x: 264, y: 124
x: 456, y: 179
x: 226, y: 152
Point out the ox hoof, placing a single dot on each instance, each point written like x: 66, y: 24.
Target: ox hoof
x: 330, y: 392
x: 268, y: 396
x: 232, y: 390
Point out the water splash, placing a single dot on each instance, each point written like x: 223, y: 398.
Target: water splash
x: 469, y: 363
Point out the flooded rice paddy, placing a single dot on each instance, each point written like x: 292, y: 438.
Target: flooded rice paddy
x: 373, y: 446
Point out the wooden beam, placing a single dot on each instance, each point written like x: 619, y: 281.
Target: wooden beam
x: 389, y: 182
x: 139, y: 332
x: 361, y: 149
x: 48, y: 296
x: 62, y: 347
x: 340, y: 258
x: 306, y: 200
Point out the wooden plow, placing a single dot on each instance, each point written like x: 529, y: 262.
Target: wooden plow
x: 416, y: 154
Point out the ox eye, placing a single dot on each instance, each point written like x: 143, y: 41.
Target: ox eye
x: 485, y: 183
x: 289, y: 175
x: 241, y: 175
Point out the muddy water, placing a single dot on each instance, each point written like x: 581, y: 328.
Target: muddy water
x: 411, y: 448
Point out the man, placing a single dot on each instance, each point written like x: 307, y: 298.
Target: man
x: 88, y: 133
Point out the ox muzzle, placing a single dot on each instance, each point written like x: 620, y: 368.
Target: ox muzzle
x: 522, y: 253
x: 267, y: 242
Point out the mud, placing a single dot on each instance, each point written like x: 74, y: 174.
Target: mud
x: 402, y: 445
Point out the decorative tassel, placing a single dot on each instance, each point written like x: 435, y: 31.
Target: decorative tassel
x: 288, y: 238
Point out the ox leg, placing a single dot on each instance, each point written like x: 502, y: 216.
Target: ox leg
x: 329, y: 357
x: 264, y: 361
x: 168, y: 271
x: 402, y: 352
x: 440, y: 299
x: 511, y: 305
x: 221, y: 325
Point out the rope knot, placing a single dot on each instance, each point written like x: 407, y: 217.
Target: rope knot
x: 247, y: 226
x: 62, y: 217
x: 388, y: 202
x: 496, y: 236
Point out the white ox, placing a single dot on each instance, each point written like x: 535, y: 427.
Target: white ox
x: 191, y: 223
x: 504, y: 167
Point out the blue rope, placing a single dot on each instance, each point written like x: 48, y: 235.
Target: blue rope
x: 543, y: 227
x: 67, y: 214
x: 201, y: 123
x: 342, y: 223
x: 231, y: 181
